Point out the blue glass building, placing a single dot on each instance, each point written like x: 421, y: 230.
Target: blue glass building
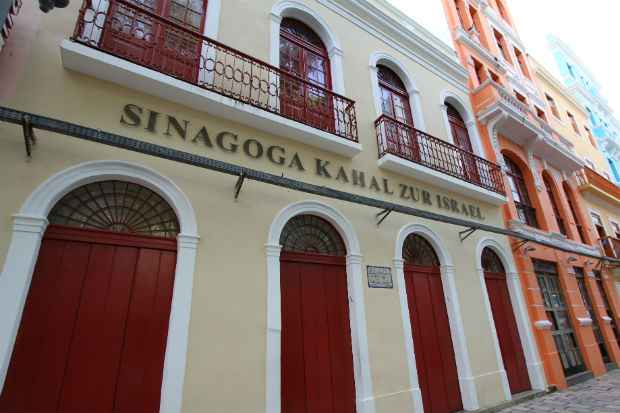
x: 587, y: 91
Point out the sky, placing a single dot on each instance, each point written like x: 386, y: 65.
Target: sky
x: 591, y: 28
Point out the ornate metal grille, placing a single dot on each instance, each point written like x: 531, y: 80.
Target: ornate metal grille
x: 608, y: 310
x: 557, y: 312
x: 596, y: 329
x: 309, y: 233
x: 116, y: 206
x: 491, y: 262
x: 418, y: 251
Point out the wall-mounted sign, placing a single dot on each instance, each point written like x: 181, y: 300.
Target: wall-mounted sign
x: 379, y: 277
x: 226, y: 141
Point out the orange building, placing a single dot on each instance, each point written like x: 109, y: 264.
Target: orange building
x: 569, y: 295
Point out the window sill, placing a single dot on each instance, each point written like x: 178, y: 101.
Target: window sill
x: 106, y: 67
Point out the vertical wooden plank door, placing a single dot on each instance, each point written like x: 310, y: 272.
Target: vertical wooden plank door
x: 94, y: 328
x: 434, y: 352
x: 317, y: 360
x: 507, y: 332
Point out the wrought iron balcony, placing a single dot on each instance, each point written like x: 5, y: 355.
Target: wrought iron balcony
x: 134, y: 33
x: 406, y: 142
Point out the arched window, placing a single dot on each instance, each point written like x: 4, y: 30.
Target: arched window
x: 134, y: 35
x: 458, y: 129
x: 525, y: 211
x: 554, y: 203
x: 573, y: 211
x: 491, y: 261
x: 311, y: 234
x: 116, y: 206
x: 394, y: 96
x: 303, y: 54
x: 418, y: 251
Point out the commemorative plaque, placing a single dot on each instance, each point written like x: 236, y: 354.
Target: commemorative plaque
x: 379, y: 277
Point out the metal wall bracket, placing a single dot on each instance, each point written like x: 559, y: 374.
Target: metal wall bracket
x: 463, y: 235
x: 383, y: 214
x: 520, y: 244
x: 29, y: 138
x: 239, y: 184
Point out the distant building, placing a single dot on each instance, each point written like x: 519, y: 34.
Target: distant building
x: 586, y: 89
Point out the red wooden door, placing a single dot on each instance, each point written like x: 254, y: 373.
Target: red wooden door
x: 317, y: 359
x: 94, y: 328
x: 507, y: 332
x: 432, y: 341
x: 156, y: 43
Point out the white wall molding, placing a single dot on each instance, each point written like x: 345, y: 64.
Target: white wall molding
x: 22, y: 255
x: 494, y: 337
x: 466, y: 381
x: 405, y: 36
x: 415, y: 103
x: 212, y: 22
x: 466, y: 112
x: 513, y: 280
x: 416, y: 392
x: 359, y: 339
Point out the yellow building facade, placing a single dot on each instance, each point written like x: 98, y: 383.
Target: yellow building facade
x: 248, y: 142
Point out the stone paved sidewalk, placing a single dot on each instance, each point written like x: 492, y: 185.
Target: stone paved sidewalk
x: 601, y: 395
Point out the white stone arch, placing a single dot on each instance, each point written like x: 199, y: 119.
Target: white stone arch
x: 382, y: 58
x: 467, y: 114
x: 466, y: 380
x: 29, y: 226
x: 359, y: 340
x: 532, y: 358
x: 297, y: 10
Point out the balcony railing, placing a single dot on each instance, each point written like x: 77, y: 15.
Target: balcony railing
x: 526, y: 214
x: 408, y: 143
x: 137, y: 34
x: 610, y: 246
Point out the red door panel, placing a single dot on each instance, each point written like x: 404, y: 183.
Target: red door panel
x: 96, y: 300
x: 507, y: 332
x: 317, y: 360
x: 432, y: 341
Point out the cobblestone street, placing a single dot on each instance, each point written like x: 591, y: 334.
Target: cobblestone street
x: 600, y: 395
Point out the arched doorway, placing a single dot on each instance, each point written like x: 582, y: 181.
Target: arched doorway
x: 304, y: 55
x: 505, y: 322
x: 317, y: 360
x: 436, y: 363
x: 94, y: 328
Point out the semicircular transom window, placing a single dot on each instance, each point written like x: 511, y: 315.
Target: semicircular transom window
x: 418, y: 251
x: 116, y: 206
x: 311, y: 234
x: 491, y: 261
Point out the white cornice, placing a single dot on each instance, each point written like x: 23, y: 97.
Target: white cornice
x: 404, y: 35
